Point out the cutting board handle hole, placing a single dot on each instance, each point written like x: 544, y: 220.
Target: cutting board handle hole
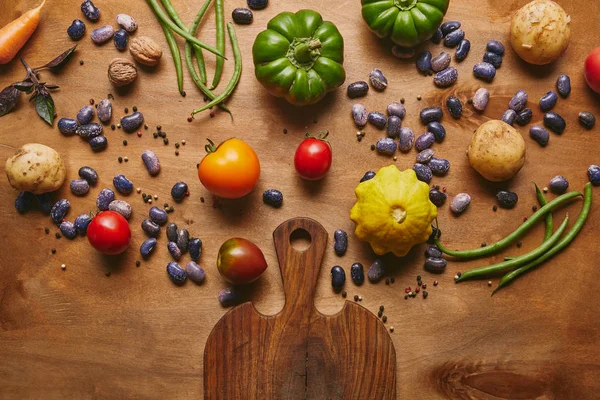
x: 300, y: 240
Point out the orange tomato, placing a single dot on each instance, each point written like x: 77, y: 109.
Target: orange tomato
x: 229, y: 170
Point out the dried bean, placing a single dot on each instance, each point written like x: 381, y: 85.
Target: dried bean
x: 147, y: 247
x: 424, y: 156
x: 378, y: 80
x: 122, y: 207
x: 587, y: 119
x: 24, y: 201
x: 376, y: 271
x: 195, y: 272
x: 102, y: 34
x: 509, y: 116
x: 423, y: 172
x: 480, y: 99
x: 394, y: 124
x: 98, y: 143
x: 462, y: 50
x: 242, y: 16
x: 433, y: 251
x: 151, y: 162
x: 518, y: 101
x: 555, y: 122
x: 507, y: 199
x: 493, y: 58
x: 104, y: 111
x: 460, y: 202
x: 449, y: 26
x: 446, y: 77
x: 59, y: 210
x: 368, y: 176
x: 439, y: 166
x: 454, y: 107
x: 539, y: 134
x: 359, y: 113
x: 437, y: 36
x: 594, y: 174
x: 79, y: 187
x: 524, y: 116
x: 195, y: 248
x: 558, y: 184
x: 67, y: 126
x: 126, y: 22
x: 440, y: 62
x: 132, y: 122
x: 406, y: 139
x: 495, y: 46
x: 90, y: 11
x: 85, y: 115
x: 176, y: 273
x: 548, y: 101
x: 120, y: 38
x: 76, y: 30
x: 151, y: 228
x: 183, y: 240
x: 563, y: 86
x: 437, y: 197
x: 158, y: 216
x: 229, y: 297
x: 104, y: 198
x: 424, y: 141
x: 403, y: 53
x: 273, y: 197
x: 45, y: 202
x: 338, y: 277
x: 358, y: 89
x: 67, y: 229
x: 424, y: 61
x: 257, y: 4
x: 174, y: 250
x: 122, y: 184
x: 435, y: 265
x: 430, y: 114
x: 81, y: 223
x: 377, y: 119
x: 89, y: 131
x: 396, y: 109
x: 179, y: 191
x: 438, y: 131
x: 340, y: 244
x: 386, y: 146
x: 357, y: 273
x: 453, y: 38
x: 484, y: 71
x: 172, y: 232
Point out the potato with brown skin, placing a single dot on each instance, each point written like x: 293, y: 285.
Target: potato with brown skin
x: 540, y: 32
x: 36, y: 168
x: 496, y: 151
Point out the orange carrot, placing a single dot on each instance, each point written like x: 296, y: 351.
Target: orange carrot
x: 14, y: 35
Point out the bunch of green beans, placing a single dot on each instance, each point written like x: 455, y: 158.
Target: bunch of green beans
x: 503, y: 243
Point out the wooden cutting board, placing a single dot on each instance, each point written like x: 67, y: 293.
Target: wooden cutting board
x: 299, y: 353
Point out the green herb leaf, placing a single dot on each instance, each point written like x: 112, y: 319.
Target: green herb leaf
x: 44, y: 105
x: 25, y: 86
x: 9, y: 97
x: 58, y: 61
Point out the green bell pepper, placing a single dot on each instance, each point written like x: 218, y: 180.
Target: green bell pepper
x: 299, y: 57
x: 407, y: 23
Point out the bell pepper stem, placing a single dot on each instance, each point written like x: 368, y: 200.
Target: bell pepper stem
x: 303, y: 52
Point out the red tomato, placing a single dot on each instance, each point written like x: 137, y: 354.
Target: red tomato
x: 109, y: 233
x: 313, y: 158
x: 592, y: 70
x: 240, y: 261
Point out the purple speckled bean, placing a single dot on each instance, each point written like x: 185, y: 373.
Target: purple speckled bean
x: 174, y: 250
x: 480, y: 99
x: 459, y: 203
x: 440, y: 62
x: 151, y: 162
x: 104, y: 111
x: 359, y: 113
x: 85, y: 115
x: 102, y: 34
x: 509, y: 116
x: 376, y: 271
x: 81, y: 223
x: 394, y: 125
x: 518, y: 101
x: 158, y: 215
x: 377, y: 119
x: 176, y: 273
x: 386, y: 146
x: 396, y: 109
x: 424, y: 156
x: 68, y: 229
x: 424, y: 141
x: 446, y: 77
x: 195, y: 272
x: 104, y: 198
x: 406, y: 139
x: 539, y: 134
x: 230, y: 297
x: 423, y: 172
x: 59, y: 210
x: 484, y: 71
x: 79, y: 187
x: 120, y: 206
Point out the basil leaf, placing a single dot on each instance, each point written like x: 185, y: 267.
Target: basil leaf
x: 58, y: 61
x: 24, y: 86
x: 44, y: 105
x: 9, y: 97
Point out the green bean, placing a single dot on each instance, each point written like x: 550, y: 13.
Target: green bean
x: 176, y: 56
x: 517, y: 261
x: 568, y: 238
x: 501, y: 244
x: 237, y: 72
x: 549, y: 227
x: 184, y: 34
x: 175, y: 17
x: 220, y: 42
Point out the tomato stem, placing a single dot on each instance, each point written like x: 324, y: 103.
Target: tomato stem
x: 210, y: 147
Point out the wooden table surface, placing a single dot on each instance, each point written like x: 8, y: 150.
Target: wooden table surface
x: 78, y: 334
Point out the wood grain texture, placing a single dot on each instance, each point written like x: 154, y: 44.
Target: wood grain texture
x: 78, y: 334
x: 299, y: 353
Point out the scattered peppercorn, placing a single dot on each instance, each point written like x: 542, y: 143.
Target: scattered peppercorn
x: 381, y: 308
x: 470, y: 101
x: 139, y: 133
x: 424, y: 286
x: 119, y: 126
x: 47, y: 230
x: 344, y: 294
x: 166, y: 141
x: 134, y: 108
x: 387, y: 281
x: 483, y: 244
x: 355, y: 297
x: 81, y: 62
x: 391, y: 329
x: 201, y: 199
x: 379, y: 313
x: 425, y: 294
x: 126, y: 110
x: 146, y: 126
x: 435, y: 283
x: 419, y: 97
x: 107, y: 273
x: 124, y: 142
x: 384, y: 318
x: 372, y: 147
x: 176, y: 145
x: 112, y: 126
x: 405, y: 297
x: 392, y: 279
x: 57, y: 235
x: 155, y: 135
x: 519, y: 243
x: 495, y: 208
x: 417, y: 289
x: 126, y: 159
x: 92, y: 102
x: 53, y: 251
x: 212, y: 114
x: 418, y: 277
x: 402, y: 100
x: 534, y: 208
x: 176, y: 152
x: 489, y: 283
x: 137, y: 263
x: 120, y: 159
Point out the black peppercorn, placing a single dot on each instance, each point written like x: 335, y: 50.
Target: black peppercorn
x: 112, y: 126
x: 372, y: 147
x: 53, y: 251
x: 495, y: 208
x: 134, y: 108
x: 355, y: 297
x: 124, y: 142
x: 120, y: 159
x: 379, y: 314
x: 425, y: 294
x: 384, y: 318
x: 344, y: 294
x: 47, y: 230
x: 57, y: 235
x: 155, y: 134
x: 137, y: 263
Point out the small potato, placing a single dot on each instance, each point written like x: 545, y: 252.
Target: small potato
x: 35, y: 168
x: 540, y: 32
x: 496, y: 151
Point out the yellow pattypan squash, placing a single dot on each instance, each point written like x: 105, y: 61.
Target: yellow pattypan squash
x: 393, y: 211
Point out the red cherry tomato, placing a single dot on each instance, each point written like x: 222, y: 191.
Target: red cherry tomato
x: 109, y: 233
x: 592, y: 70
x: 313, y: 158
